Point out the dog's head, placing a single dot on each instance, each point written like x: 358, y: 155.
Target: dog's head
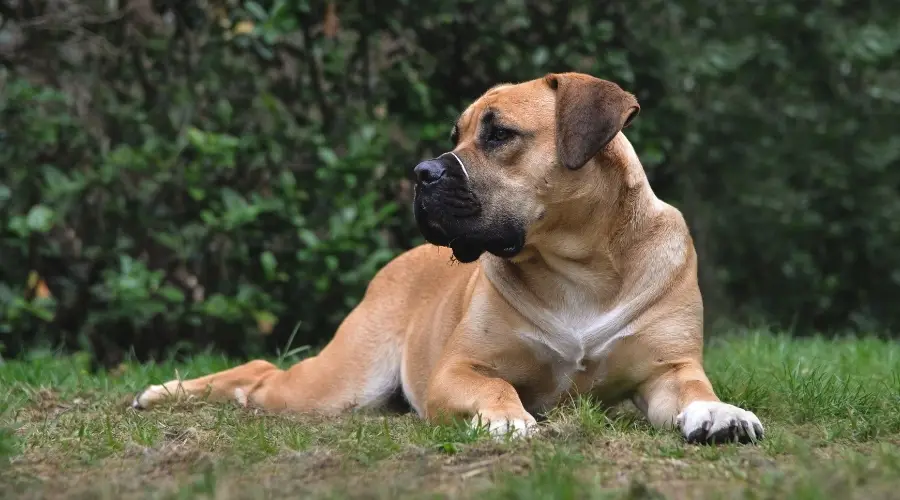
x: 518, y: 152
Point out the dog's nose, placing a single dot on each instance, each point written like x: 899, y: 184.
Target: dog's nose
x: 429, y: 171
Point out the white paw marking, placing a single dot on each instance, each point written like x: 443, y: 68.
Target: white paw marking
x: 241, y: 397
x: 155, y: 393
x: 708, y: 421
x: 500, y: 426
x: 147, y: 396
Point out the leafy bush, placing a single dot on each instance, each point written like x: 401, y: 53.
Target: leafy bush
x: 190, y: 174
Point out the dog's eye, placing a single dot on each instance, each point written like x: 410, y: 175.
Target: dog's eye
x: 500, y: 134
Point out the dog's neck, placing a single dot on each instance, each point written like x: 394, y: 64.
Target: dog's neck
x: 583, y: 256
x: 588, y: 231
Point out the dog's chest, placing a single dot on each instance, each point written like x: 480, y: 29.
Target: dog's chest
x: 574, y: 348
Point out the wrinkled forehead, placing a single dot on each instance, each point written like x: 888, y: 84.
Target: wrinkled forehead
x: 513, y: 104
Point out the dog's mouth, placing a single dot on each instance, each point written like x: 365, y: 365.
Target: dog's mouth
x: 455, y: 222
x: 468, y: 246
x: 467, y: 249
x: 464, y: 251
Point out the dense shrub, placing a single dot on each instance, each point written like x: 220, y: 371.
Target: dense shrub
x: 192, y: 174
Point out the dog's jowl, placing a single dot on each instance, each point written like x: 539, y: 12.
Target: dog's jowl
x: 571, y: 277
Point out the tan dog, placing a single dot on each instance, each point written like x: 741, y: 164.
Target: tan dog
x: 574, y: 278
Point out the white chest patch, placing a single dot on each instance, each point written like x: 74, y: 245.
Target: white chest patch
x: 574, y: 331
x: 573, y: 341
x: 574, y: 338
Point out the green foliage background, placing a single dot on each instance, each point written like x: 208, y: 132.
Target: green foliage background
x: 183, y: 174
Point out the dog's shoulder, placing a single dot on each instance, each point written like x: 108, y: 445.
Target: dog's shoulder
x: 661, y: 229
x: 666, y: 216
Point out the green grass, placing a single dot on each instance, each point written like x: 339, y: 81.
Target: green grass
x: 831, y: 410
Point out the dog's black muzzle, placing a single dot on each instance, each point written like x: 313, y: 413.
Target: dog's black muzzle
x: 449, y: 214
x: 445, y: 207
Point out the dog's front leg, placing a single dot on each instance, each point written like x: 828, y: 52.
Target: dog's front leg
x: 468, y: 389
x: 682, y: 395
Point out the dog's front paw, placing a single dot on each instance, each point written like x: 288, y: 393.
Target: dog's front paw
x: 146, y: 398
x: 711, y: 422
x: 501, y: 425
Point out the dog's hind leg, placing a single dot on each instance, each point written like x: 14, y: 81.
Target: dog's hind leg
x: 359, y: 368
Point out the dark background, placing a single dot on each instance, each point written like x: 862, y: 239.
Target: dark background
x: 180, y: 175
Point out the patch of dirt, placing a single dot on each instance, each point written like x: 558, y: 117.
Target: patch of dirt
x: 45, y: 404
x: 194, y: 456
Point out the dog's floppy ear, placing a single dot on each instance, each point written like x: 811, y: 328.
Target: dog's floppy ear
x: 589, y: 114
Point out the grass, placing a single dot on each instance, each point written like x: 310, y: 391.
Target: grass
x: 831, y: 410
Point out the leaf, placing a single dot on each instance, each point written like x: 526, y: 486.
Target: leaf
x: 288, y: 181
x: 269, y: 264
x: 328, y: 157
x: 197, y: 137
x: 448, y: 448
x: 308, y: 237
x: 256, y: 10
x: 265, y: 321
x: 40, y: 312
x: 233, y: 200
x: 265, y: 52
x: 243, y: 27
x: 171, y: 293
x: 40, y: 218
x: 280, y: 10
x: 540, y: 56
x: 197, y: 193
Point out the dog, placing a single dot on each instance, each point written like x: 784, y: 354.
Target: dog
x: 571, y: 277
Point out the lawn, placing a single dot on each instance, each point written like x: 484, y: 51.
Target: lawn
x: 831, y: 410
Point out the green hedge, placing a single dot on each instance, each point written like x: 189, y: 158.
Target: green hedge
x: 185, y: 175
